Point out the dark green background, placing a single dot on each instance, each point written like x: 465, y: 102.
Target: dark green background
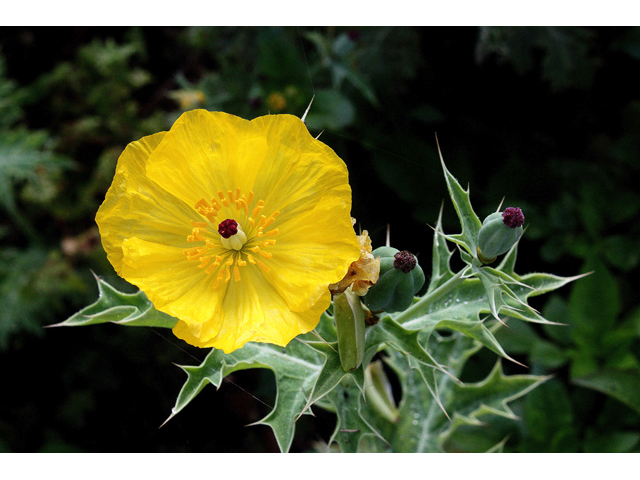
x: 545, y: 117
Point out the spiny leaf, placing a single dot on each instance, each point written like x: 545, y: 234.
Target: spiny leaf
x: 134, y: 310
x: 351, y: 424
x: 472, y: 402
x: 387, y: 331
x: 468, y: 219
x: 418, y: 412
x: 441, y: 261
x: 296, y: 369
x: 331, y: 374
x: 459, y: 307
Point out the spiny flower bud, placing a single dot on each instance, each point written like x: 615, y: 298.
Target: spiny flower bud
x: 500, y: 231
x: 401, y: 277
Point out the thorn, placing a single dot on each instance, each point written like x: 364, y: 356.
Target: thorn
x: 173, y: 414
x: 307, y: 111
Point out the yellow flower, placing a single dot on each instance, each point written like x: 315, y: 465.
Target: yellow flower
x: 234, y: 227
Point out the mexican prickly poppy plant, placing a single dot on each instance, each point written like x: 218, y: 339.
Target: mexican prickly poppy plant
x: 234, y: 227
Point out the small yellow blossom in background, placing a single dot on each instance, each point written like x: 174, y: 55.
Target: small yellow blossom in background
x: 234, y: 227
x: 363, y: 273
x: 276, y: 102
x: 188, y: 99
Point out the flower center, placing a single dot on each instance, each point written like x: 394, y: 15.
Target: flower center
x: 243, y: 237
x: 231, y: 235
x: 227, y: 228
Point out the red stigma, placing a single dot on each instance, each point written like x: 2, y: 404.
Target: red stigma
x: 513, y: 217
x: 228, y: 228
x: 404, y: 261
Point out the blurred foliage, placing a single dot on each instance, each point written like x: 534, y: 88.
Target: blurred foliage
x: 547, y: 117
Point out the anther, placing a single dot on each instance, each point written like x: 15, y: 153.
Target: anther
x: 211, y: 268
x: 218, y: 279
x: 256, y: 211
x: 223, y: 199
x: 204, y: 261
x: 271, y: 219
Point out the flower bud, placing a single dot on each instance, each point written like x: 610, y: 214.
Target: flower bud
x: 500, y: 231
x: 401, y: 277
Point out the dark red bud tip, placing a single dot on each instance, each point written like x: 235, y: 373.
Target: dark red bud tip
x: 228, y: 228
x: 404, y: 261
x: 513, y: 217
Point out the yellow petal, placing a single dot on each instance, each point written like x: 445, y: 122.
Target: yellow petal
x: 205, y: 152
x: 169, y: 280
x: 136, y: 207
x: 254, y: 312
x: 314, y: 249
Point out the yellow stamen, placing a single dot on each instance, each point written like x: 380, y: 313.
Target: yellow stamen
x: 256, y: 211
x: 242, y: 205
x: 272, y: 233
x: 241, y: 263
x: 227, y: 275
x: 189, y: 252
x: 211, y: 268
x: 236, y: 273
x: 250, y: 259
x: 202, y: 203
x: 223, y: 199
x: 271, y: 219
x: 204, y: 261
x: 263, y: 266
x: 265, y: 254
x: 218, y: 280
